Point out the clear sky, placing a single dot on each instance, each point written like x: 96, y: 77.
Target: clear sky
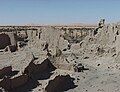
x: 58, y: 11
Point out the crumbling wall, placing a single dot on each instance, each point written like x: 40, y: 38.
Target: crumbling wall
x: 21, y: 35
x: 60, y: 61
x: 13, y: 38
x: 104, y: 42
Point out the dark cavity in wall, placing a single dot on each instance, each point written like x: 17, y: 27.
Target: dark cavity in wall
x: 4, y: 41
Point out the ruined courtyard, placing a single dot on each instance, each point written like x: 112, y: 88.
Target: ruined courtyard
x: 60, y: 58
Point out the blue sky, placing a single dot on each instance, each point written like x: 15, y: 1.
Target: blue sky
x: 58, y: 11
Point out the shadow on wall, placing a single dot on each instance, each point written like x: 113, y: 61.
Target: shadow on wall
x: 4, y: 41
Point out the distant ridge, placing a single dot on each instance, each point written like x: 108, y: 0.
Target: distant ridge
x: 72, y: 24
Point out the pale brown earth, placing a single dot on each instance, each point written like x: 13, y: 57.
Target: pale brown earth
x: 52, y: 59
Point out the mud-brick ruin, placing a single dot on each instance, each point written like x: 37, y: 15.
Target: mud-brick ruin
x: 41, y: 58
